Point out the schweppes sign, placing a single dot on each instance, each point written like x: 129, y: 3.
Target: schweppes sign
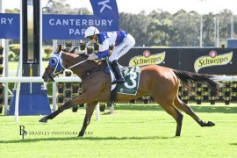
x: 212, y: 60
x: 147, y: 59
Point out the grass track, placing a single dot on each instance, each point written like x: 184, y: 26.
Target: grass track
x: 134, y: 131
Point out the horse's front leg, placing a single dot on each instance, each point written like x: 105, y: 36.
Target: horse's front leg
x: 55, y: 113
x: 89, y: 111
x: 83, y: 98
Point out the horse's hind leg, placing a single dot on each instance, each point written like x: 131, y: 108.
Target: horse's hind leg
x: 184, y: 107
x: 170, y: 109
x: 89, y: 111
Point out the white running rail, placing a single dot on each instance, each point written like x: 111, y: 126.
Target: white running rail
x: 19, y: 80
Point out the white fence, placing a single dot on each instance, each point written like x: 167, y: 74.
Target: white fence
x: 20, y: 80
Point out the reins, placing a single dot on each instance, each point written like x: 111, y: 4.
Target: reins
x: 81, y: 62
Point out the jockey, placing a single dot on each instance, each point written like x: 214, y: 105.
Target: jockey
x: 122, y: 41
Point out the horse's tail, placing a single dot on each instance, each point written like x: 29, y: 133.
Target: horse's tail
x: 187, y: 77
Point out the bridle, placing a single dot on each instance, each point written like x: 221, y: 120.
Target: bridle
x: 60, y: 62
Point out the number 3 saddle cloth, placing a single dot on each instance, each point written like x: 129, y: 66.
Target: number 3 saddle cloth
x: 131, y: 84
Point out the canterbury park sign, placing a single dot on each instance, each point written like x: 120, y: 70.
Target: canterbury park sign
x: 58, y: 26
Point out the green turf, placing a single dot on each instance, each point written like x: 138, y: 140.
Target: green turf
x: 133, y: 131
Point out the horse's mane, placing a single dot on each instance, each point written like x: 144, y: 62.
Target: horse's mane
x: 70, y: 49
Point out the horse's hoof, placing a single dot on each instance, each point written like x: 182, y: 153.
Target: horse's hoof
x: 44, y: 120
x: 80, y: 134
x: 210, y: 123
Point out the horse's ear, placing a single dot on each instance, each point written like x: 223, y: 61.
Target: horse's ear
x: 65, y: 49
x: 59, y: 48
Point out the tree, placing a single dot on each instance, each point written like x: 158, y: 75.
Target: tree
x: 16, y: 10
x: 186, y: 25
x: 160, y: 14
x: 61, y: 7
x: 225, y: 25
x: 160, y: 32
x: 208, y: 29
x: 136, y: 24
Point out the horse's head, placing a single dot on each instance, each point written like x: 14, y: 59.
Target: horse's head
x: 55, y: 66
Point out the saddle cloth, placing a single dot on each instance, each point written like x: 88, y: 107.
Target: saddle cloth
x: 131, y: 76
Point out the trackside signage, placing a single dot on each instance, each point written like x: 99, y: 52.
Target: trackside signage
x: 105, y: 18
x: 74, y: 26
x: 147, y: 59
x: 212, y: 60
x: 201, y: 60
x: 9, y: 26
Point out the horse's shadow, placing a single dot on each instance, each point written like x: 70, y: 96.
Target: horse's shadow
x: 233, y: 143
x: 81, y: 138
x: 203, y: 109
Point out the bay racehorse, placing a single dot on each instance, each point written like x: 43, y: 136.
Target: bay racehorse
x: 161, y: 83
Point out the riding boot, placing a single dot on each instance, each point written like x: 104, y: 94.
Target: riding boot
x: 118, y: 73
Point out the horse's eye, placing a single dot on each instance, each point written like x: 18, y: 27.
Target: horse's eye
x: 52, y: 61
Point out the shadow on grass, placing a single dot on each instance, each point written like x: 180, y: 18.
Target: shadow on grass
x: 233, y: 143
x: 82, y: 138
x: 154, y: 107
